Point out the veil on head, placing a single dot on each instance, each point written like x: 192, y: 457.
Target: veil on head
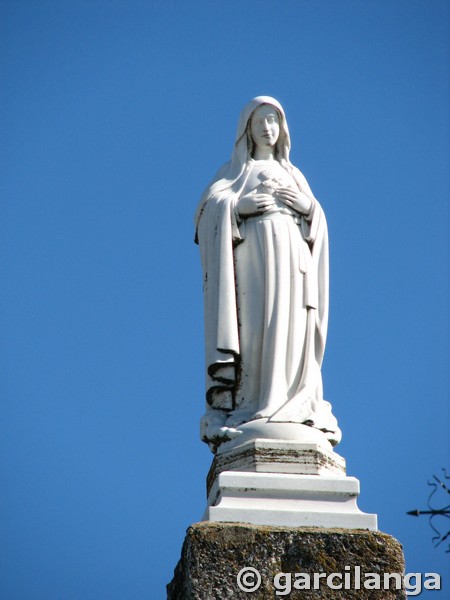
x: 283, y: 145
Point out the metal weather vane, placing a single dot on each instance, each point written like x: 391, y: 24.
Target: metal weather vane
x: 436, y: 512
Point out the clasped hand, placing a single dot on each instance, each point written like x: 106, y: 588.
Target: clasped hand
x: 294, y: 199
x: 258, y: 203
x: 254, y: 204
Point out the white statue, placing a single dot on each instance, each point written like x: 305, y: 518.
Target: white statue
x: 264, y: 250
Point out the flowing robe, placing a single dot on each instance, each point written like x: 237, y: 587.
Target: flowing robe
x: 266, y: 309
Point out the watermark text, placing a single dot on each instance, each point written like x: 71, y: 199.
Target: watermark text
x: 249, y: 580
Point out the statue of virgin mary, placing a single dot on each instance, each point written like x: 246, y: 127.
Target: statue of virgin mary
x: 264, y: 250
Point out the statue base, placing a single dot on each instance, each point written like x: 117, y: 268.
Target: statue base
x: 223, y: 434
x: 284, y: 483
x: 298, y: 563
x: 277, y: 456
x: 288, y: 500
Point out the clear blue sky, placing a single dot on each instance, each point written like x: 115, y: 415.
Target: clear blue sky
x: 114, y: 116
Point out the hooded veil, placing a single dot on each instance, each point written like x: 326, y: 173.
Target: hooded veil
x: 219, y: 232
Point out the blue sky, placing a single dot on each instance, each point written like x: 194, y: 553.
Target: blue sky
x: 114, y: 116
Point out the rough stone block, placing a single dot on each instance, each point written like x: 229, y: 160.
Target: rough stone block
x: 214, y: 553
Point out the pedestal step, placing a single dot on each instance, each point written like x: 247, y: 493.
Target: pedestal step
x: 287, y: 500
x: 277, y: 456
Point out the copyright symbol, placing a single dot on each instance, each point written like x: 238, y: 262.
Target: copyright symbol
x: 248, y: 579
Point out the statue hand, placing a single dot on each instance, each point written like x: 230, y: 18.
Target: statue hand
x: 254, y: 204
x: 295, y: 199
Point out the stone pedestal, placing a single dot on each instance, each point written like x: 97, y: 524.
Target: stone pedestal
x: 282, y: 520
x: 277, y: 456
x: 287, y: 499
x: 304, y: 563
x: 284, y: 482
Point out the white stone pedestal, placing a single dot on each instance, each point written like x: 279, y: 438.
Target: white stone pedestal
x: 287, y: 500
x: 284, y: 483
x: 276, y: 456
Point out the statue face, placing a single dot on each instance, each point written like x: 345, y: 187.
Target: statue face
x: 265, y: 126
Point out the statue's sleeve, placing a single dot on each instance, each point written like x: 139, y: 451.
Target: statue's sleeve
x: 315, y: 232
x: 217, y: 230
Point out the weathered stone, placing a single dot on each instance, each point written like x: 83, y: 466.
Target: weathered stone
x: 214, y: 553
x: 275, y: 456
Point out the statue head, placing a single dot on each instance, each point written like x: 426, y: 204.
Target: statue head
x: 252, y: 117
